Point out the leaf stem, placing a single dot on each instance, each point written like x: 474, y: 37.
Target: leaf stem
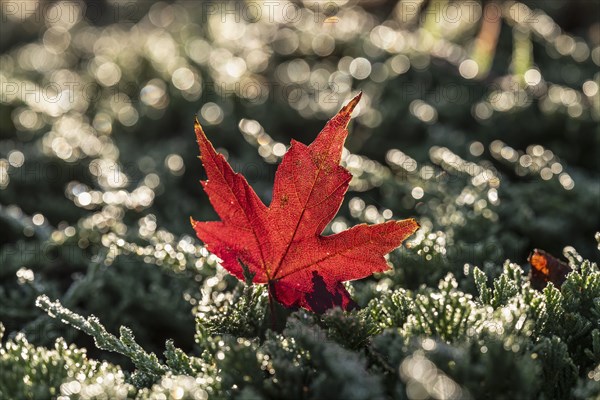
x: 271, y: 309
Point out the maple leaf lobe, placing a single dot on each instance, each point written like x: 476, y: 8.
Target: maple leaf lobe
x: 282, y: 244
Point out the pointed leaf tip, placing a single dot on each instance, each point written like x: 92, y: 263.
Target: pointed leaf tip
x: 330, y: 140
x: 204, y: 144
x: 414, y: 225
x: 342, y: 118
x: 198, y: 129
x: 348, y: 108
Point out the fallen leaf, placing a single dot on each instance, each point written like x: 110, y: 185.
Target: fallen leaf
x: 282, y: 244
x: 546, y: 268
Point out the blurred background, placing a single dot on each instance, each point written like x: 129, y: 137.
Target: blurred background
x: 479, y: 118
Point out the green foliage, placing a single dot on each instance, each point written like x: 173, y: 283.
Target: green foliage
x: 560, y: 373
x: 30, y: 372
x: 509, y: 342
x: 589, y: 387
x: 175, y: 386
x: 445, y: 313
x: 302, y: 359
x: 391, y: 309
x: 594, y: 352
x: 96, y: 191
x: 485, y: 293
x: 241, y: 313
x: 352, y: 330
x: 148, y: 367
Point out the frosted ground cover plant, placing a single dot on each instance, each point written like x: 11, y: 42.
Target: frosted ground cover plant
x: 479, y: 121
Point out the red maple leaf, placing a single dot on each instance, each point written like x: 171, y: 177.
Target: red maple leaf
x: 282, y: 244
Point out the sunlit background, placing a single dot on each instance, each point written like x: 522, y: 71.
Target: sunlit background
x: 478, y: 118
